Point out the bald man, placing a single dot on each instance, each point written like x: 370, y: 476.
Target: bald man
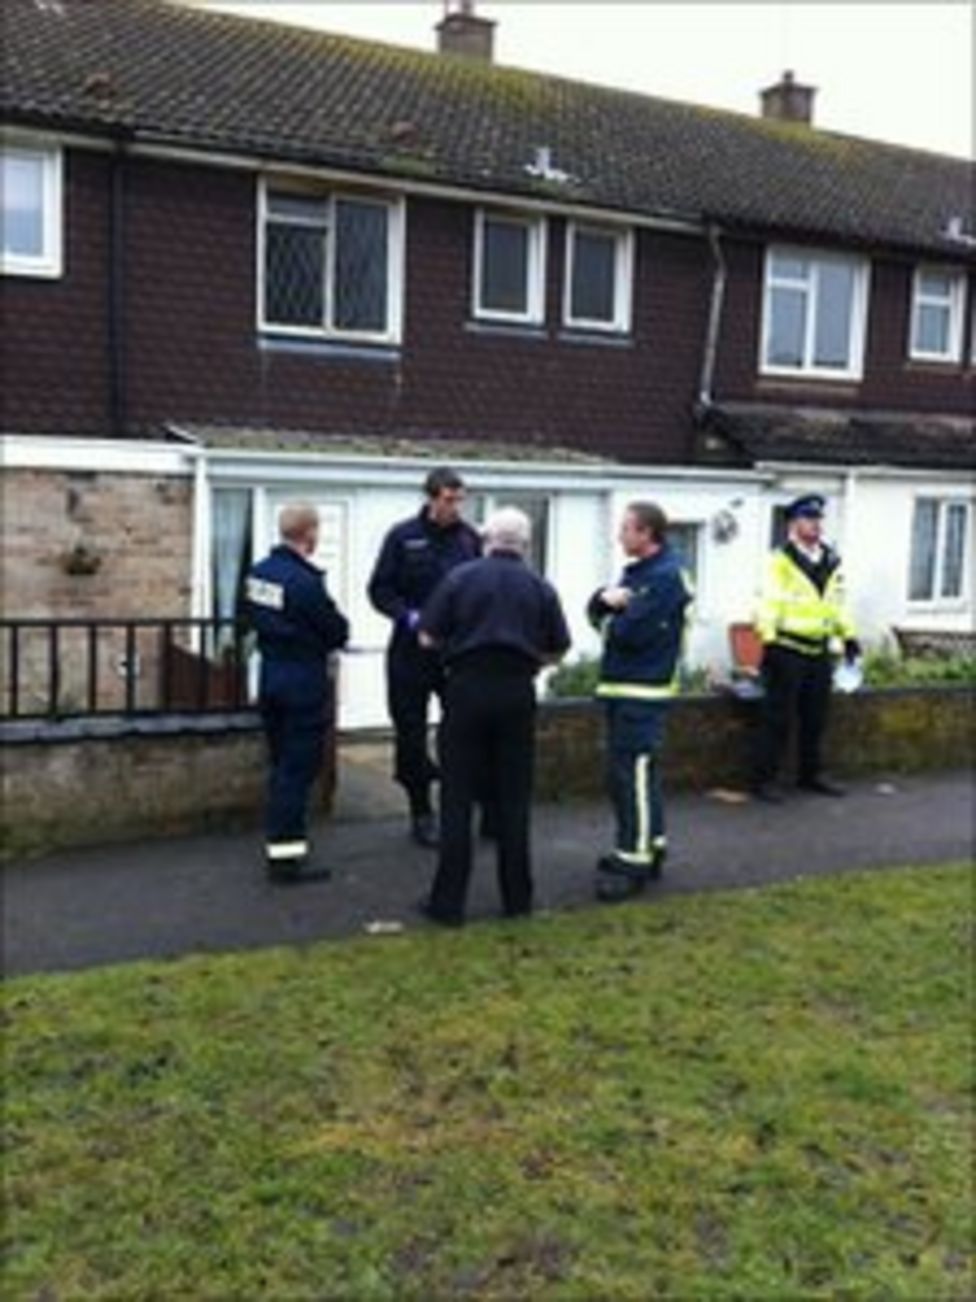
x: 298, y: 626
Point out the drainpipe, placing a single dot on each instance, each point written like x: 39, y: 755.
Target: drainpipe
x: 115, y: 287
x: 704, y: 402
x: 849, y: 552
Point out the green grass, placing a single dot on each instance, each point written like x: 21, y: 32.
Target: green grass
x: 746, y: 1095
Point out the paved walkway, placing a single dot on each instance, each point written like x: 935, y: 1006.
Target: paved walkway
x: 208, y: 893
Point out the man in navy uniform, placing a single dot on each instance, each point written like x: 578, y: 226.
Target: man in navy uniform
x: 495, y: 623
x: 299, y: 626
x: 642, y: 619
x: 416, y: 554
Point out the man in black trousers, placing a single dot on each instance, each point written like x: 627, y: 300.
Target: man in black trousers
x: 415, y: 556
x: 495, y: 623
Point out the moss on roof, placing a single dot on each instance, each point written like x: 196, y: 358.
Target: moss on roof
x: 384, y: 447
x: 154, y: 69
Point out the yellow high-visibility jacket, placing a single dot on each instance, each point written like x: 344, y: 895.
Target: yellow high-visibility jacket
x: 792, y: 610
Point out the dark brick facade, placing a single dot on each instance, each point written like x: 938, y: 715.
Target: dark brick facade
x: 891, y: 382
x: 54, y: 352
x: 193, y: 354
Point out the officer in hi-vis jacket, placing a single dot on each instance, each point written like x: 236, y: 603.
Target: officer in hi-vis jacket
x: 298, y: 626
x: 802, y: 610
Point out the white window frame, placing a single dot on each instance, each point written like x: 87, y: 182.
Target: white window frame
x: 622, y: 282
x: 395, y: 256
x: 956, y: 304
x: 936, y: 601
x: 489, y: 500
x: 535, y: 312
x: 49, y: 264
x: 859, y: 313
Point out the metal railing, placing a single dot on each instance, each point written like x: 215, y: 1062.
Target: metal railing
x: 66, y: 668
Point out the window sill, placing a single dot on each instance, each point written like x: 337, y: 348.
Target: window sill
x: 778, y: 383
x: 923, y: 609
x: 934, y: 365
x: 507, y: 330
x: 599, y: 338
x: 31, y: 271
x: 324, y: 348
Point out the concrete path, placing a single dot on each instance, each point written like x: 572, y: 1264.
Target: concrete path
x: 167, y: 898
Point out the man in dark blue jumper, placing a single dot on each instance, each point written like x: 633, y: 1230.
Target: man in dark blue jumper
x: 495, y: 623
x: 298, y: 626
x: 416, y: 554
x: 642, y: 620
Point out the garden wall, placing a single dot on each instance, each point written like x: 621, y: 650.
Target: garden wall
x: 709, y: 740
x: 86, y: 782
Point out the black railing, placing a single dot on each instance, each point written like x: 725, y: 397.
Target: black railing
x: 65, y: 668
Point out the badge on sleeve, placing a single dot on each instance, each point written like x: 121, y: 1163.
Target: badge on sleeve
x: 262, y: 593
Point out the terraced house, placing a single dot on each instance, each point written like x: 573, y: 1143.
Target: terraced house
x: 243, y: 261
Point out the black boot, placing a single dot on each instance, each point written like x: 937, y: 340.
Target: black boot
x: 821, y: 787
x: 295, y: 872
x: 424, y: 831
x: 617, y: 880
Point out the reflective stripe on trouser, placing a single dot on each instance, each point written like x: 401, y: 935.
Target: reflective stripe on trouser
x: 609, y: 691
x: 635, y: 738
x: 279, y: 851
x: 296, y: 741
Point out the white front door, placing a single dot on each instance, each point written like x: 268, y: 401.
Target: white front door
x: 333, y: 555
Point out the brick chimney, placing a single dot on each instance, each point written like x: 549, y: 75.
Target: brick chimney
x: 463, y: 33
x: 788, y: 101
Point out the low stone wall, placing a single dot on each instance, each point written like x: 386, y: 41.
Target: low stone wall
x: 88, y: 782
x: 92, y: 782
x: 710, y: 738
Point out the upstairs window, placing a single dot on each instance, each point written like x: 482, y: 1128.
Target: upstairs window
x: 509, y: 267
x: 330, y: 265
x: 30, y: 211
x: 599, y: 271
x: 814, y: 314
x: 939, y: 550
x: 938, y: 305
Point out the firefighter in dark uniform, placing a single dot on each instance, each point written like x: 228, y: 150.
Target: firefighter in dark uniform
x: 642, y: 619
x: 416, y: 555
x: 298, y: 626
x: 495, y: 623
x: 802, y: 610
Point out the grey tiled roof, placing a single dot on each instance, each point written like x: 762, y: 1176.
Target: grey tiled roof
x: 763, y: 433
x: 269, y: 439
x: 153, y: 70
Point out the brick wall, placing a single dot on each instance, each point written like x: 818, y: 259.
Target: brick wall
x: 54, y: 345
x: 192, y: 352
x: 139, y: 528
x: 196, y: 355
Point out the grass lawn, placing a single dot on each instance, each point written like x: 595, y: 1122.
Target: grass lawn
x: 754, y: 1094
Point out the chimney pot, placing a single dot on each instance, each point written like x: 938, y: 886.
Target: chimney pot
x: 788, y: 101
x: 461, y: 32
